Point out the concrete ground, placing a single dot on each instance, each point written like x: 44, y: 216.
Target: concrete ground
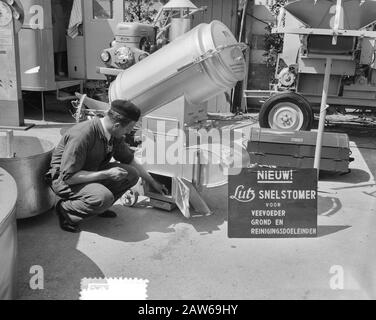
x: 194, y: 259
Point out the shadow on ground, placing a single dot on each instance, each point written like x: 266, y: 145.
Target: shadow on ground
x: 329, y: 207
x: 42, y: 243
x: 356, y: 176
x: 135, y: 225
x: 324, y: 231
x: 365, y: 140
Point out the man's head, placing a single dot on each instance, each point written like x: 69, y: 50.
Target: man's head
x: 123, y: 116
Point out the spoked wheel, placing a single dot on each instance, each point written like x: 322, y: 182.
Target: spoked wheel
x: 287, y: 111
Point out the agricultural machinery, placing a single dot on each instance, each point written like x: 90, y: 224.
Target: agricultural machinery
x: 328, y: 59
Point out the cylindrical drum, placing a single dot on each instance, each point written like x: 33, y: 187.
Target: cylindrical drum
x: 179, y: 26
x: 177, y: 70
x: 8, y: 236
x: 31, y: 161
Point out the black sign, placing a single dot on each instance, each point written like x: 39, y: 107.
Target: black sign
x: 273, y: 203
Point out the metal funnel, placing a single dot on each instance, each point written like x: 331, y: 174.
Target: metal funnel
x: 321, y: 14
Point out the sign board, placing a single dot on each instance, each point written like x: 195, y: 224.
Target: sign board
x: 269, y: 202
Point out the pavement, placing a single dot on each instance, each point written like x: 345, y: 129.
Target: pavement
x: 194, y: 259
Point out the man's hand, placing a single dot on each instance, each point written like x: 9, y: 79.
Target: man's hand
x: 116, y: 174
x: 160, y: 188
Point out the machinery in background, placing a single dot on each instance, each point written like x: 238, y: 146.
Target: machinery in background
x: 136, y: 41
x: 36, y: 47
x: 313, y: 32
x: 133, y: 43
x: 102, y: 20
x: 36, y: 54
x: 11, y: 106
x: 97, y: 21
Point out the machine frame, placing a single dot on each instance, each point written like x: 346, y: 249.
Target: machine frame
x: 286, y: 114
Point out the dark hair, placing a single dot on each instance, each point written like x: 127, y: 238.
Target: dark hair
x: 124, y: 112
x: 118, y: 118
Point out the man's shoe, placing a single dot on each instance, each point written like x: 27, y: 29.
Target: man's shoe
x: 108, y: 215
x: 65, y: 221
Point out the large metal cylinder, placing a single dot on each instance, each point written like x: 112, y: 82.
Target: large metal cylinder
x: 179, y: 26
x: 28, y: 167
x: 8, y: 236
x: 184, y: 67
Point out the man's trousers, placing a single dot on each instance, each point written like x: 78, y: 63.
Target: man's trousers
x: 88, y: 200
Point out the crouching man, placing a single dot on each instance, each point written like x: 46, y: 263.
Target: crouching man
x: 81, y: 173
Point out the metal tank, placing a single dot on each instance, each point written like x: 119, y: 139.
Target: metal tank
x: 27, y: 159
x: 353, y: 14
x: 183, y: 23
x: 36, y: 46
x: 8, y: 236
x: 199, y: 65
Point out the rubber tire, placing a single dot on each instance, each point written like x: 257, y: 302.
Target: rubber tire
x: 292, y: 97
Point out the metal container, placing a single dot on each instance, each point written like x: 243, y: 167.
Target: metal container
x: 36, y: 47
x: 31, y: 161
x: 8, y: 236
x: 190, y: 66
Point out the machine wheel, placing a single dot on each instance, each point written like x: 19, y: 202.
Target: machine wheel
x: 287, y: 111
